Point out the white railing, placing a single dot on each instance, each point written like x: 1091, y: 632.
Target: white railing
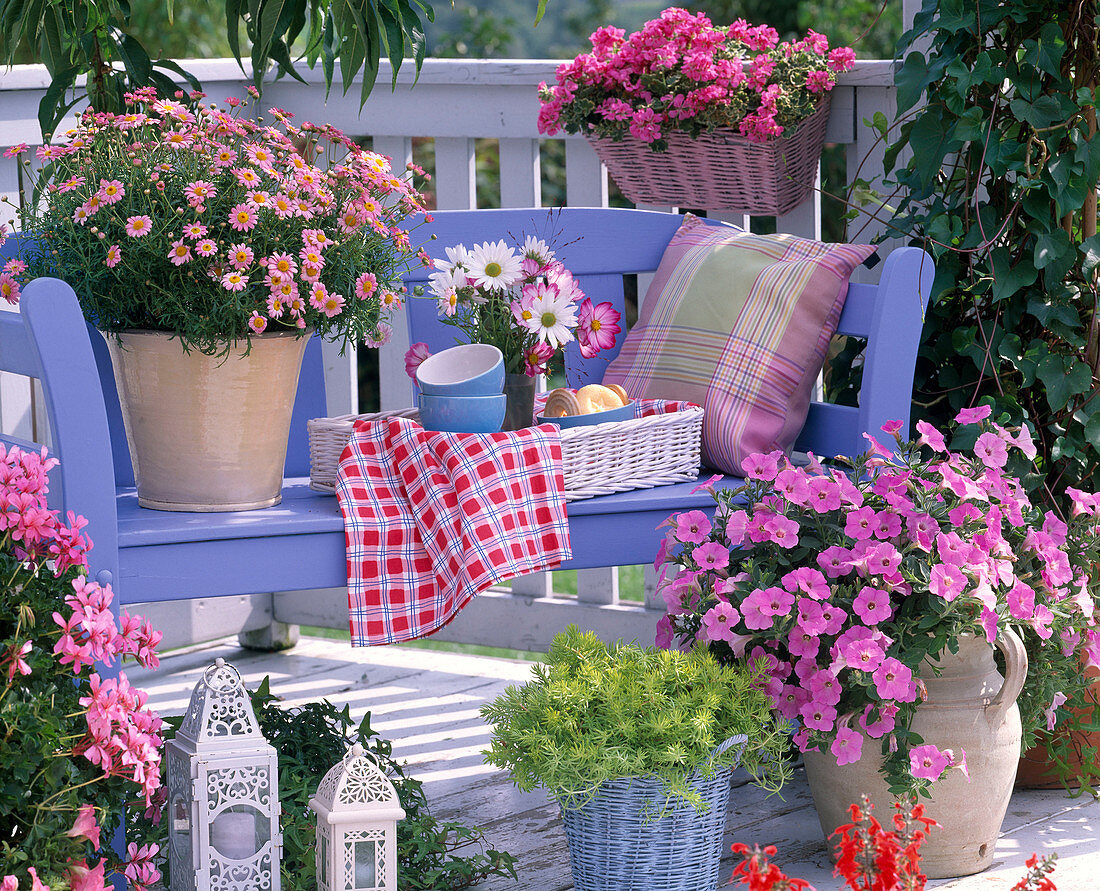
x: 458, y: 105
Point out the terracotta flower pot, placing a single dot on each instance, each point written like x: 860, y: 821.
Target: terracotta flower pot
x: 969, y: 709
x: 206, y: 433
x: 1038, y: 769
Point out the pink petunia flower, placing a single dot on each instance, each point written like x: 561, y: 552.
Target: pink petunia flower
x: 872, y: 605
x: 928, y: 763
x: 991, y: 450
x: 720, y: 620
x: 973, y: 415
x: 692, y: 527
x: 847, y: 746
x: 894, y: 680
x: 711, y: 556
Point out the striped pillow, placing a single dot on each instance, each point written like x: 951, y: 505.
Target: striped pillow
x: 738, y: 323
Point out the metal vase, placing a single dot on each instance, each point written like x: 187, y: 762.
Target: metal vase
x: 206, y: 433
x: 520, y: 390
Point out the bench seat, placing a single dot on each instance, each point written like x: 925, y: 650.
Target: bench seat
x: 299, y: 543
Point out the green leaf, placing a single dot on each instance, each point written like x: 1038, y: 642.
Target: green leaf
x: 1010, y: 279
x: 1063, y: 377
x: 52, y: 107
x: 1090, y: 247
x: 1051, y: 247
x: 540, y: 11
x: 1042, y: 113
x: 135, y: 59
x: 234, y: 10
x: 1046, y: 51
x: 911, y: 80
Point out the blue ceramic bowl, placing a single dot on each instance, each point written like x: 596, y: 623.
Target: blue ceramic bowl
x: 472, y: 369
x: 462, y: 414
x: 622, y: 413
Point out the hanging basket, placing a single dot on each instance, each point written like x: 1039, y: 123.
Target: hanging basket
x: 721, y: 170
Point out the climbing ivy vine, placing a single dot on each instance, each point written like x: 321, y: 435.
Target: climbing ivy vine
x: 996, y: 163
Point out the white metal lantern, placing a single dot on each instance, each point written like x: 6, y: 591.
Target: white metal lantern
x: 223, y: 796
x: 357, y: 812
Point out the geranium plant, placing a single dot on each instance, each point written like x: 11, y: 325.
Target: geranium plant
x: 844, y: 582
x: 186, y: 217
x: 76, y: 746
x: 680, y: 72
x: 520, y: 299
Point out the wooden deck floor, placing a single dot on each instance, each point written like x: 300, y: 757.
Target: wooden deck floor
x: 427, y: 703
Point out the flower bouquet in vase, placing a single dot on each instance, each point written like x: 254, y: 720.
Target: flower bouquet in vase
x: 874, y: 594
x: 524, y: 301
x: 207, y: 247
x: 693, y: 115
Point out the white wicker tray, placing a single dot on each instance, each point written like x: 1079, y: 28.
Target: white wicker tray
x: 597, y: 460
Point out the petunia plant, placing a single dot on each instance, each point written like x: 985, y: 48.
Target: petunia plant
x: 78, y: 742
x: 844, y: 580
x: 195, y: 219
x: 520, y: 299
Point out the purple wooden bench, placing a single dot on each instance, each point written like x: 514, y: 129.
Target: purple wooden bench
x: 299, y: 544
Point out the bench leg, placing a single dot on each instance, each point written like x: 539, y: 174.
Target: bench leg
x: 271, y: 637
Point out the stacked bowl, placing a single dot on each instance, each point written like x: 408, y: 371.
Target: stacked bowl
x: 461, y: 389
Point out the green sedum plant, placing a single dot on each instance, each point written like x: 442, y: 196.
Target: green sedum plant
x: 595, y: 713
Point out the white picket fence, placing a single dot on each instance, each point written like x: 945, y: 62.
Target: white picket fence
x: 458, y: 105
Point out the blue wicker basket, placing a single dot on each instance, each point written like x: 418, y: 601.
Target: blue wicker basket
x: 631, y: 836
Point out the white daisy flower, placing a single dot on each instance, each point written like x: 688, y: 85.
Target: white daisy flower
x: 553, y: 316
x: 446, y: 281
x: 494, y: 265
x: 537, y: 249
x: 457, y: 256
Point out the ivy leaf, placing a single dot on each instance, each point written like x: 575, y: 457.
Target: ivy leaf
x: 1045, y: 52
x: 1090, y: 247
x: 1007, y: 280
x: 1042, y: 113
x: 911, y: 80
x: 1051, y: 248
x: 1064, y: 377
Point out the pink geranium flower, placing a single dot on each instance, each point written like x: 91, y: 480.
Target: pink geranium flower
x: 85, y: 826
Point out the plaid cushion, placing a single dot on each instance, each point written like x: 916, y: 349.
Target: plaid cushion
x: 740, y: 324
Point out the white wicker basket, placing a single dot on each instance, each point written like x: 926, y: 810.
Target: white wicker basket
x: 615, y: 457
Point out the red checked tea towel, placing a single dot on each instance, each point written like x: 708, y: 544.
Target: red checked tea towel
x: 431, y: 519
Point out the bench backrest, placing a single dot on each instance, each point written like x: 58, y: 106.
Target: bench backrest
x: 49, y: 340
x: 601, y: 245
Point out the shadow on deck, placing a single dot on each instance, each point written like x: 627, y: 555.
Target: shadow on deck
x: 427, y: 703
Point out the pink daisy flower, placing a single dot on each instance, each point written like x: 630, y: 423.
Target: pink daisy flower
x: 206, y: 248
x: 139, y: 226
x: 242, y: 218
x: 114, y: 256
x: 195, y: 231
x: 9, y: 288
x: 199, y: 191
x: 179, y: 253
x: 257, y: 323
x: 234, y: 280
x: 333, y: 304
x: 284, y: 264
x: 534, y: 361
x: 597, y: 325
x: 258, y: 198
x: 240, y: 256
x: 111, y: 191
